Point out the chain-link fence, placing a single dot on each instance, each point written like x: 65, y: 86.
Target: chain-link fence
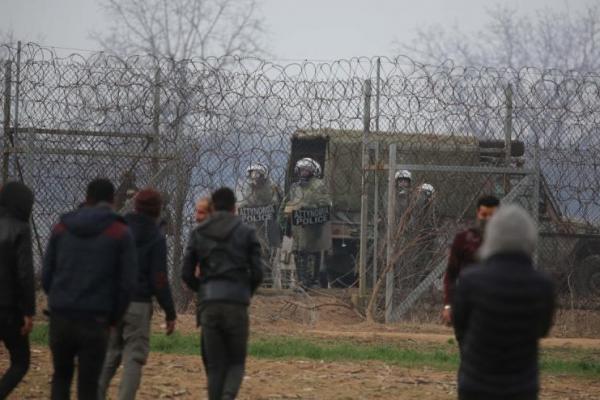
x: 190, y: 127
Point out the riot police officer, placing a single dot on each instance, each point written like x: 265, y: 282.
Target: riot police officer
x: 259, y: 207
x: 425, y: 206
x: 425, y: 229
x: 403, y: 192
x: 309, y: 208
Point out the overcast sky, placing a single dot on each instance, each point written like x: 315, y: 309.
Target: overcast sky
x: 297, y: 29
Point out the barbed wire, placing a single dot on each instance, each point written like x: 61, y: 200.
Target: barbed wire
x: 80, y: 116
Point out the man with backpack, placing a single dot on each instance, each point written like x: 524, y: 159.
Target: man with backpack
x: 231, y: 270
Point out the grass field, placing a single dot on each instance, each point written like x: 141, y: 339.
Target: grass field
x: 295, y: 353
x: 443, y: 357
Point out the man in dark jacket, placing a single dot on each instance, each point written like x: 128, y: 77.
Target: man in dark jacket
x: 89, y: 273
x: 229, y: 255
x: 463, y: 251
x: 501, y: 310
x: 17, y: 292
x: 130, y: 341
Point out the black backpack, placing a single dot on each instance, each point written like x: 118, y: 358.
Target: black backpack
x: 217, y: 261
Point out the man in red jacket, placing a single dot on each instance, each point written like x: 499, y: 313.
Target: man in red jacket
x: 464, y: 251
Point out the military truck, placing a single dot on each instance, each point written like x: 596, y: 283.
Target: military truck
x: 569, y: 251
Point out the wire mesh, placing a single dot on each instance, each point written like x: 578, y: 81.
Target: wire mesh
x: 202, y: 122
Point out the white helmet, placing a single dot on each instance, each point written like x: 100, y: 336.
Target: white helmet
x: 403, y: 174
x: 258, y: 167
x: 426, y: 187
x: 308, y: 164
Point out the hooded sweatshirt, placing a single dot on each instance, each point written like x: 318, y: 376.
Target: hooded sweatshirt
x: 90, y: 265
x: 17, y: 290
x: 229, y: 256
x: 152, y: 277
x: 501, y: 309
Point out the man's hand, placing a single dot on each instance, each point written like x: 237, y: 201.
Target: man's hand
x: 170, y: 327
x: 27, y: 325
x: 447, y: 316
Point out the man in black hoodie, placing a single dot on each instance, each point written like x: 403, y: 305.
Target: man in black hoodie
x: 229, y: 256
x: 17, y: 292
x: 130, y: 341
x: 89, y: 272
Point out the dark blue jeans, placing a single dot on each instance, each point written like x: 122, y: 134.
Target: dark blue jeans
x: 85, y: 340
x: 18, y: 348
x: 224, y: 344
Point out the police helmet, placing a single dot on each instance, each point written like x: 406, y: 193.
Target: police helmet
x: 426, y: 187
x: 403, y: 174
x: 308, y: 164
x: 259, y: 168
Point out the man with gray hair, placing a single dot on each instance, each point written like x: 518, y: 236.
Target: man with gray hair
x: 500, y: 312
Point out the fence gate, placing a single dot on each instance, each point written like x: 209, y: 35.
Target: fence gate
x: 456, y: 190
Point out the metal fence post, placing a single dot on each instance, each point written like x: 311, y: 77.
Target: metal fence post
x: 12, y: 138
x: 376, y: 195
x: 536, y: 192
x: 182, y: 178
x: 16, y: 117
x: 391, y: 217
x: 508, y: 134
x: 364, y: 211
x: 156, y: 122
x: 508, y: 124
x: 6, y: 124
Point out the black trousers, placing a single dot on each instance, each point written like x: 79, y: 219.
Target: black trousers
x: 85, y: 340
x: 224, y: 344
x: 18, y: 348
x: 309, y: 269
x: 464, y: 395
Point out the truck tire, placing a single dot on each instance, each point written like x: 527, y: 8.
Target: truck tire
x: 587, y: 276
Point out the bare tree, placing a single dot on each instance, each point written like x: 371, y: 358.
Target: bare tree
x: 7, y: 37
x: 173, y: 32
x: 4, y: 42
x: 7, y: 40
x: 549, y: 39
x: 182, y: 29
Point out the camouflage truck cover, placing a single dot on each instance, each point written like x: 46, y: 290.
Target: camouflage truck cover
x: 567, y: 250
x: 341, y: 151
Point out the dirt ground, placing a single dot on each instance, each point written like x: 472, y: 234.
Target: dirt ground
x: 170, y: 376
x: 330, y: 313
x: 181, y: 377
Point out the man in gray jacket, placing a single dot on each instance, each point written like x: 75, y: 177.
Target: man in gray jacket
x: 229, y: 255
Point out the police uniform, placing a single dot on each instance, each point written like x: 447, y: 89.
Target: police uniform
x: 419, y: 237
x: 312, y: 239
x: 264, y: 200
